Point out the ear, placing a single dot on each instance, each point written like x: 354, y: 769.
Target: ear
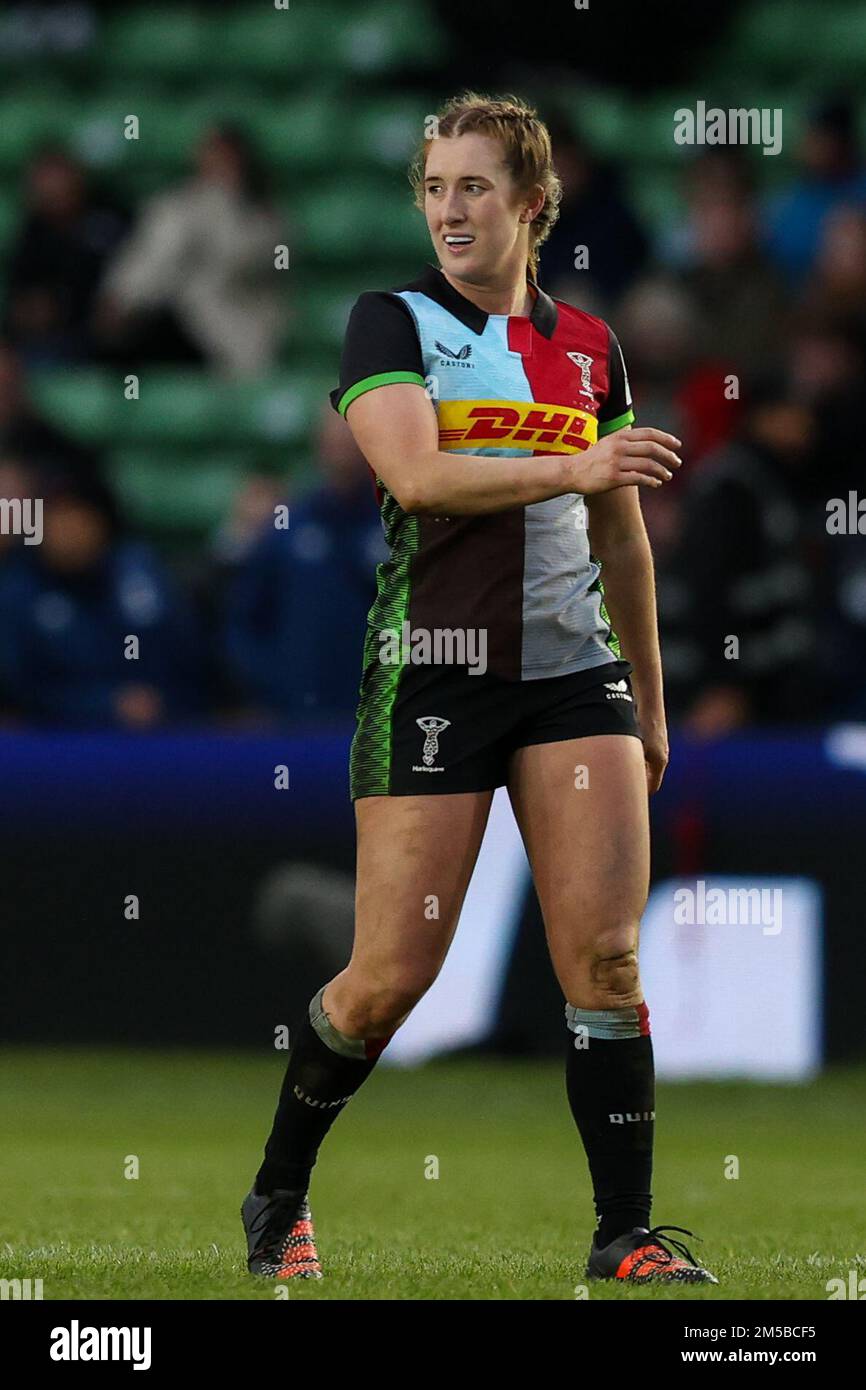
x: 534, y: 208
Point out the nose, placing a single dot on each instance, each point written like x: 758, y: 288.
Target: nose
x: 453, y: 212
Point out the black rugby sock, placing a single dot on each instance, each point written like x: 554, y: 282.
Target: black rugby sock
x: 610, y: 1080
x: 324, y: 1071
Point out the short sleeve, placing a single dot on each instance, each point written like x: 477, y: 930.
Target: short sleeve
x: 381, y: 347
x: 616, y: 412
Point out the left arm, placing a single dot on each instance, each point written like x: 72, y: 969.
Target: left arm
x: 619, y: 540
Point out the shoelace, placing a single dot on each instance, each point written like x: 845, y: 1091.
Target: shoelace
x: 652, y: 1237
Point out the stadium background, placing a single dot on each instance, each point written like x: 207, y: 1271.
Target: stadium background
x: 155, y: 256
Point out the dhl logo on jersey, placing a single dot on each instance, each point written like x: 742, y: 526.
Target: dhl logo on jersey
x: 557, y: 429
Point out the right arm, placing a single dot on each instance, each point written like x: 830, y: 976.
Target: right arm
x: 395, y: 427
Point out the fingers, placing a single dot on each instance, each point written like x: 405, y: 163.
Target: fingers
x: 656, y: 766
x: 670, y: 441
x: 645, y: 458
x: 655, y: 777
x: 644, y: 477
x: 637, y: 458
x: 652, y: 450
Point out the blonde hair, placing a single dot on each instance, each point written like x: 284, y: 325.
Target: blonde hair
x: 526, y: 150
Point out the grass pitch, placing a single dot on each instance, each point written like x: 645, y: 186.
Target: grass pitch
x: 508, y: 1217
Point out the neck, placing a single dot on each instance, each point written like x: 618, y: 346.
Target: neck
x: 512, y: 297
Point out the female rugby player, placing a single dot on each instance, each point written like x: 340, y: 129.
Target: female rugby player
x: 488, y: 412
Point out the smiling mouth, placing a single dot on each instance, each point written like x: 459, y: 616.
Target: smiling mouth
x: 458, y: 239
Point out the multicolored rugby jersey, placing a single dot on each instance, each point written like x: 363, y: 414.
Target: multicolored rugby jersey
x: 502, y: 386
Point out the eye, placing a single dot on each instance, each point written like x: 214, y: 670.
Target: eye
x: 479, y: 186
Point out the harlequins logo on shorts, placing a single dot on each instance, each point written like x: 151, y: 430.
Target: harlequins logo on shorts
x: 618, y: 689
x: 432, y: 727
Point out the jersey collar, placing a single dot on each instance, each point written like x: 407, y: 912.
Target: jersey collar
x: 433, y: 283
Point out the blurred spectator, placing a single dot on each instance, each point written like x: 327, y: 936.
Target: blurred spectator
x: 673, y: 389
x: 593, y: 213
x: 207, y: 574
x: 827, y: 367
x: 838, y: 285
x: 27, y: 436
x: 832, y: 173
x: 57, y: 262
x: 252, y: 509
x: 297, y: 607
x: 657, y: 326
x: 68, y: 609
x: 196, y: 280
x: 737, y: 292
x: 842, y: 599
x: 742, y: 570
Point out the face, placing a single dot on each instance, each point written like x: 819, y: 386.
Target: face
x: 478, y: 220
x: 786, y: 427
x: 74, y: 535
x: 218, y: 161
x: 723, y: 228
x: 56, y: 186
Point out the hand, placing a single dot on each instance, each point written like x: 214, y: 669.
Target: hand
x: 655, y: 751
x: 642, y: 457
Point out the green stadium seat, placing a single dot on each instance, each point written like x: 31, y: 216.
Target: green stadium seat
x: 84, y: 401
x: 323, y: 37
x: 176, y: 494
x: 321, y: 303
x: 281, y: 411
x: 161, y: 491
x: 185, y: 407
x: 651, y: 130
x: 368, y: 40
x: 29, y: 119
x: 656, y: 194
x: 167, y: 41
x: 302, y: 131
x: 603, y: 118
x: 355, y: 220
x: 387, y: 132
x: 774, y: 36
x: 841, y: 42
x: 10, y: 216
x: 263, y: 42
x: 167, y: 131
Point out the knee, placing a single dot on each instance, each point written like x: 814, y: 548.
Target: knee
x: 376, y: 1007
x: 608, y: 975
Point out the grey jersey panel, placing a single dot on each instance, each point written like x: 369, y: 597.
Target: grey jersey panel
x: 563, y: 630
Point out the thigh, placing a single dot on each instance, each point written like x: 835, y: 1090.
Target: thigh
x: 582, y: 808
x: 415, y: 858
